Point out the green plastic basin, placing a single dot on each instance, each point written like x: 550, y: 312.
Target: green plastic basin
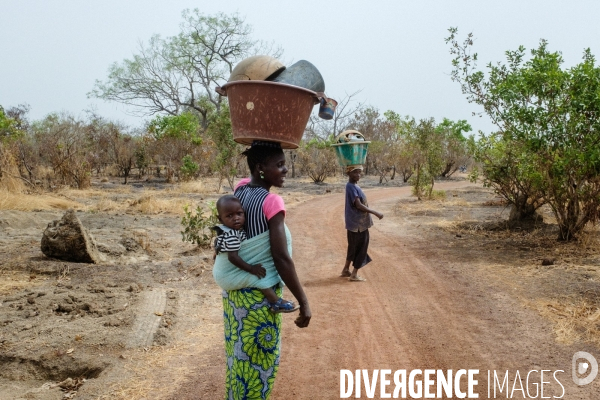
x: 351, y: 153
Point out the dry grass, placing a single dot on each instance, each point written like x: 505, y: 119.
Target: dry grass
x: 199, y: 187
x: 91, y: 193
x: 574, y: 320
x: 26, y: 202
x: 106, y: 204
x: 12, y: 185
x: 81, y: 193
x: 10, y: 181
x: 447, y: 226
x: 142, y: 385
x: 590, y: 238
x: 143, y: 239
x: 437, y: 195
x: 149, y: 204
x: 14, y: 281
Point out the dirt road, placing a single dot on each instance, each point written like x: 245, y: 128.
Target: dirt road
x: 418, y: 309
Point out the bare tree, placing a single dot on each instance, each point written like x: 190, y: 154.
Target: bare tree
x: 173, y: 74
x: 342, y: 119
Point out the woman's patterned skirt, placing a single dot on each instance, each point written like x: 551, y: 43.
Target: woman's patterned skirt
x: 252, y: 344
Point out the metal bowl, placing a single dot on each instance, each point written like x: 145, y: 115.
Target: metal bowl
x: 350, y: 135
x: 256, y: 68
x: 302, y: 74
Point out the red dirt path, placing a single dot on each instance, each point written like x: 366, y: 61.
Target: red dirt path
x: 417, y: 310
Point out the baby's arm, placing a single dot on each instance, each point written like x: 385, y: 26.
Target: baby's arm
x: 236, y: 260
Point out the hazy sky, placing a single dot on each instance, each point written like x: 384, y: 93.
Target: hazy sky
x: 392, y: 51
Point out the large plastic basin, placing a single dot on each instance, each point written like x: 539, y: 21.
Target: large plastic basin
x: 262, y: 110
x: 351, y: 153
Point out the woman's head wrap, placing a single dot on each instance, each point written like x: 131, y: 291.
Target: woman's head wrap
x: 351, y: 168
x: 260, y: 151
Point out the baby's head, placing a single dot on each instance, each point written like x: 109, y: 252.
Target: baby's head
x: 230, y: 212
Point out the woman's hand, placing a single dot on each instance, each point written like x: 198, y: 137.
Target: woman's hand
x: 379, y: 215
x: 304, y: 318
x: 258, y: 270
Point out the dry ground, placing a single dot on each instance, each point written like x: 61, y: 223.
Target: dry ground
x: 447, y: 289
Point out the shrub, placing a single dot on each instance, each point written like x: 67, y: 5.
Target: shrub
x: 197, y: 224
x: 189, y: 168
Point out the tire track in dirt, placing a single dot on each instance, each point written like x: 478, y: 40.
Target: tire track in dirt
x: 150, y: 309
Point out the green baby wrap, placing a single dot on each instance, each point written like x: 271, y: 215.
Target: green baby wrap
x: 256, y: 250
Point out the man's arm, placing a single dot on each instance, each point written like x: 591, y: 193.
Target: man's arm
x: 360, y: 206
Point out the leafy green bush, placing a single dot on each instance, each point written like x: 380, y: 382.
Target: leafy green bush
x: 189, y: 168
x: 197, y: 224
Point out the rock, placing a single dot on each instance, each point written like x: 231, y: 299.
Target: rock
x: 66, y: 239
x: 113, y: 322
x: 548, y: 261
x: 65, y: 308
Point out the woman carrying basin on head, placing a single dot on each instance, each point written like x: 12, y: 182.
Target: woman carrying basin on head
x: 252, y: 331
x: 358, y: 221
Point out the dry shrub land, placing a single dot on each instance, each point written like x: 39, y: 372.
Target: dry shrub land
x: 102, y: 331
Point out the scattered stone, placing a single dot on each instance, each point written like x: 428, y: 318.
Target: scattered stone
x: 548, y: 261
x: 65, y: 308
x: 71, y: 384
x: 114, y: 250
x: 130, y: 244
x: 135, y: 288
x: 113, y: 322
x: 67, y: 239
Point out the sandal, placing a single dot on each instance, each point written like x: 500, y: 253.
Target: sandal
x: 283, y: 306
x: 357, y: 279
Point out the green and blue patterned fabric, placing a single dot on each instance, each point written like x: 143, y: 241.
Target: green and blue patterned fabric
x: 252, y: 344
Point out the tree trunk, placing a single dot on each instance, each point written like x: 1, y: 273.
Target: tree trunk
x: 523, y: 210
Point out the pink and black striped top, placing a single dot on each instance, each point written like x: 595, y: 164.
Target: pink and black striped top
x: 260, y: 206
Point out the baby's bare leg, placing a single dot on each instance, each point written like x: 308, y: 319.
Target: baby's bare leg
x: 270, y: 295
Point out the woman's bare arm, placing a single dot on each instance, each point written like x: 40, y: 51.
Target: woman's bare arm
x: 360, y: 206
x: 286, y: 268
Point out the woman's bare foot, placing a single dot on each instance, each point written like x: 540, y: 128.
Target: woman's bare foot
x: 357, y: 279
x: 346, y: 273
x: 354, y: 276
